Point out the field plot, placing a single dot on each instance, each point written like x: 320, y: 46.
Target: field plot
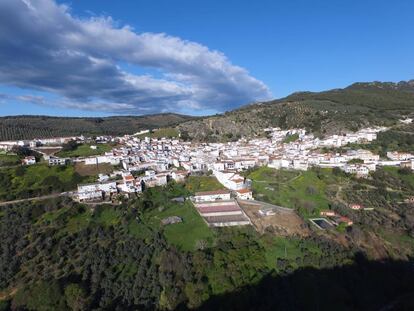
x: 93, y: 170
x: 9, y: 159
x: 281, y: 223
x: 85, y: 150
x: 203, y: 183
x: 35, y: 180
x: 186, y: 235
x: 168, y: 132
x: 48, y: 150
x: 306, y: 192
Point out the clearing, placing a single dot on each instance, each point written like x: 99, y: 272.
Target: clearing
x: 283, y: 223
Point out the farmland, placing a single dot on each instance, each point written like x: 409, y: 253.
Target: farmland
x: 167, y: 132
x: 203, y: 183
x: 9, y: 159
x: 85, y: 150
x: 40, y: 179
x: 306, y: 191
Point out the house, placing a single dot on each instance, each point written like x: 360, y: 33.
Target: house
x: 231, y: 180
x: 346, y: 220
x: 86, y: 193
x: 161, y: 179
x: 212, y: 196
x: 399, y: 156
x: 359, y: 170
x: 96, y: 192
x: 244, y: 194
x: 58, y: 161
x: 356, y: 207
x: 179, y: 176
x: 328, y: 213
x: 30, y: 160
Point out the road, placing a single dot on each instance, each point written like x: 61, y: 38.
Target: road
x: 44, y: 197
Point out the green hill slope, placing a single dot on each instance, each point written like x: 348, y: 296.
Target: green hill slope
x: 351, y: 108
x: 29, y: 127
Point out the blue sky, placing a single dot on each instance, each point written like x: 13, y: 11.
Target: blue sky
x: 195, y: 57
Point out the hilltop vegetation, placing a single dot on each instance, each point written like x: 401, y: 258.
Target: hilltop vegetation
x: 29, y: 127
x: 63, y: 255
x: 338, y: 110
x: 359, y: 105
x: 389, y: 226
x: 30, y: 181
x: 84, y: 150
x: 122, y: 257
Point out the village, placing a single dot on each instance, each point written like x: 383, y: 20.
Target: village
x: 140, y: 162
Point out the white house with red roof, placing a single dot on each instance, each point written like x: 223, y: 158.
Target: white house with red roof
x: 244, y: 194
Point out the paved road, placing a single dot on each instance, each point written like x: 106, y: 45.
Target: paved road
x: 267, y: 205
x: 49, y: 196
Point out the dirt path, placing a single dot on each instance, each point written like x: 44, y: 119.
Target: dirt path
x: 7, y: 293
x: 49, y: 196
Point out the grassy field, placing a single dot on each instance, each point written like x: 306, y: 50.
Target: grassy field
x: 9, y: 159
x: 93, y: 170
x: 287, y: 249
x: 85, y: 150
x: 73, y: 220
x: 203, y: 183
x: 168, y: 132
x: 291, y: 138
x: 186, y: 234
x: 39, y: 179
x: 295, y: 189
x: 394, y: 171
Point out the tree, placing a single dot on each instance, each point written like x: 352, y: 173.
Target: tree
x: 75, y: 297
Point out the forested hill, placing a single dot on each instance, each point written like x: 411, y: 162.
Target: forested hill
x: 29, y: 127
x: 351, y: 108
x: 356, y: 106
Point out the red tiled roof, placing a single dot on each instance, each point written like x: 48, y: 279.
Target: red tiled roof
x: 129, y: 177
x: 243, y: 191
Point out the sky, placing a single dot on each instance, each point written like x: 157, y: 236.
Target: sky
x: 134, y: 57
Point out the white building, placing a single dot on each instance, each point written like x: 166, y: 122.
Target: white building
x: 244, y: 194
x: 58, y: 161
x: 207, y: 196
x: 92, y: 192
x: 30, y: 160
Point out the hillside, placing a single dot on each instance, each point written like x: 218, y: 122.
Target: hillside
x: 29, y: 127
x: 333, y: 111
x: 359, y: 105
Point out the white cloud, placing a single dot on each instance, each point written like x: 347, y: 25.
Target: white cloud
x: 43, y: 47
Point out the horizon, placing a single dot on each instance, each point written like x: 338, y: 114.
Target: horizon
x: 191, y: 115
x: 94, y: 59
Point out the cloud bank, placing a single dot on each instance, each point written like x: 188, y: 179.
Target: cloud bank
x: 84, y: 62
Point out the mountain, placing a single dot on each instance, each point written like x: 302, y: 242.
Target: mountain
x: 334, y: 111
x: 338, y: 110
x: 29, y: 127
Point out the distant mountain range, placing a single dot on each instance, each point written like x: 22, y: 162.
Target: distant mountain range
x: 334, y: 111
